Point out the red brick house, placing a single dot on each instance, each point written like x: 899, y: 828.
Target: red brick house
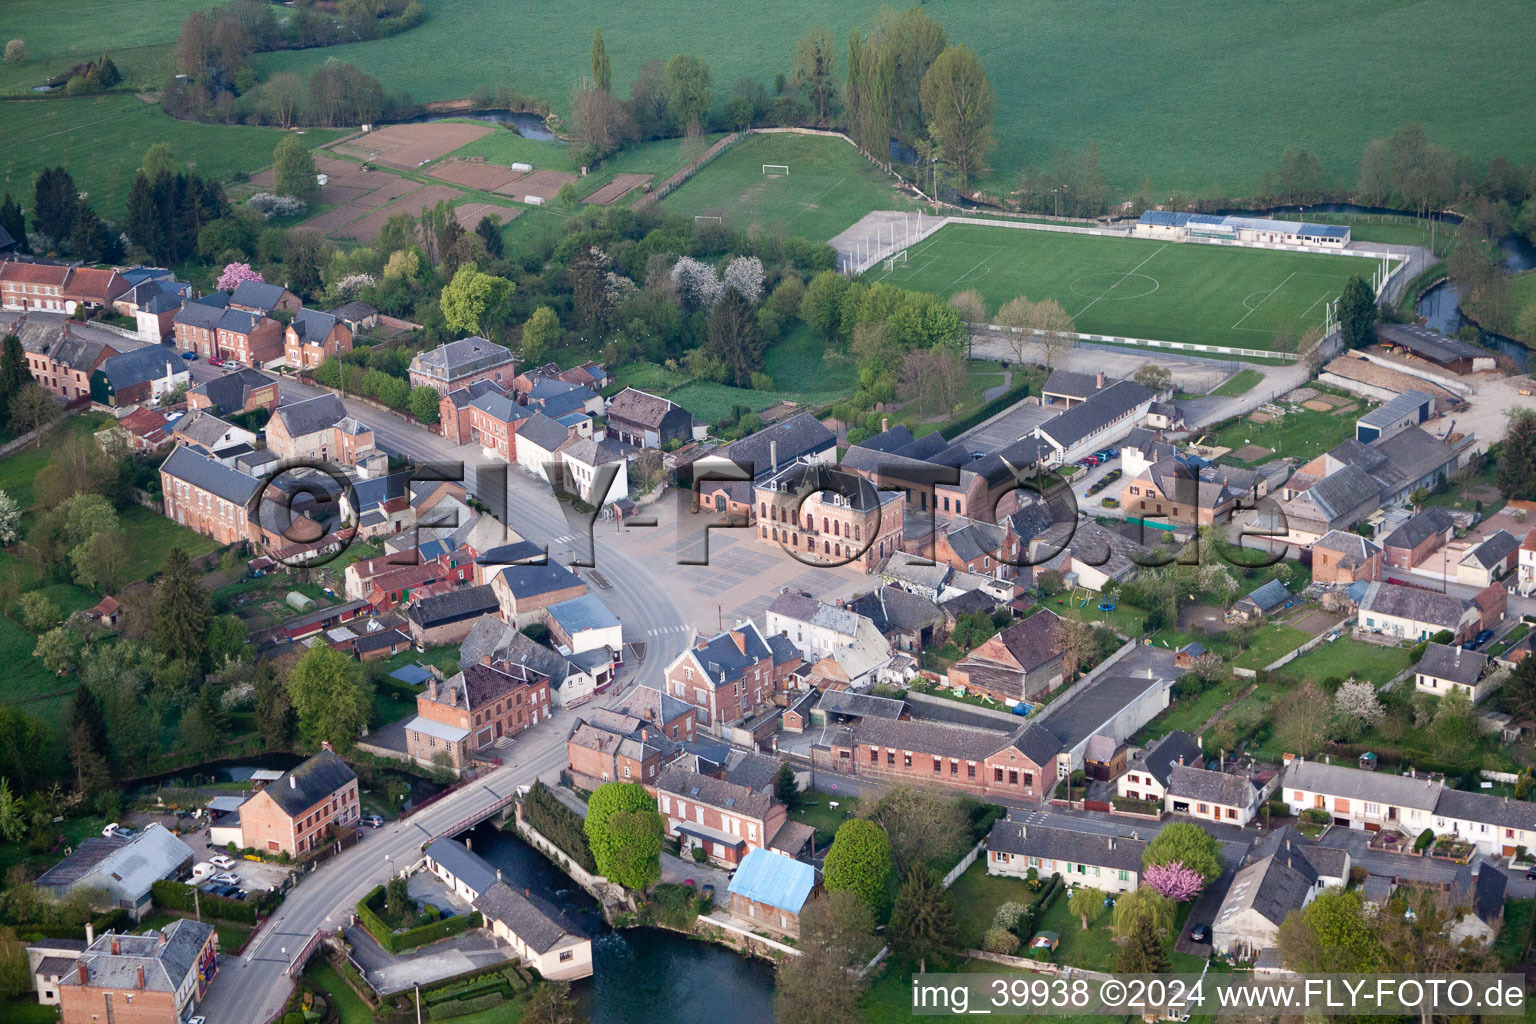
x: 475, y: 708
x: 1021, y: 663
x: 1414, y: 541
x: 675, y: 718
x: 724, y: 677
x: 397, y: 586
x: 147, y: 430
x: 61, y: 360
x: 453, y: 409
x: 207, y: 496
x: 1340, y: 557
x: 292, y: 814
x: 726, y: 820
x: 458, y: 364
x: 155, y: 978
x: 56, y: 288
x: 524, y: 591
x: 824, y: 514
x: 1024, y: 764
x: 493, y: 422
x: 606, y: 746
x: 312, y: 337
x: 247, y: 338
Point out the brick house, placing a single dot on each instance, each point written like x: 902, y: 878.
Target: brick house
x: 827, y: 514
x: 312, y: 336
x: 320, y: 428
x: 475, y: 708
x: 250, y: 339
x: 493, y: 421
x: 970, y: 545
x: 207, y: 496
x: 388, y: 590
x: 59, y: 289
x: 155, y: 978
x: 458, y: 364
x: 260, y: 297
x: 61, y: 360
x: 675, y: 718
x: 453, y: 409
x: 724, y: 677
x: 726, y: 820
x: 1023, y: 764
x: 1340, y: 557
x: 769, y: 890
x: 145, y: 430
x: 647, y: 421
x: 292, y: 814
x: 524, y: 591
x: 137, y: 375
x: 1414, y: 541
x: 447, y: 618
x: 195, y: 328
x: 604, y: 746
x: 1021, y: 663
x: 1172, y: 490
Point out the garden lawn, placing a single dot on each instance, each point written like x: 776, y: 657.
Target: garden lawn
x: 977, y: 896
x: 1270, y: 642
x: 1123, y: 619
x: 828, y: 188
x: 153, y: 536
x: 814, y: 809
x: 102, y: 139
x: 27, y: 1010
x: 804, y: 370
x: 1347, y: 657
x: 1302, y: 434
x: 1093, y: 949
x: 349, y: 1005
x: 1135, y: 287
x: 1241, y: 383
x: 1190, y: 713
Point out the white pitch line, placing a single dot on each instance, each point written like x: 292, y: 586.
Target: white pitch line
x: 1118, y: 283
x: 977, y: 267
x: 1265, y: 299
x: 1321, y: 298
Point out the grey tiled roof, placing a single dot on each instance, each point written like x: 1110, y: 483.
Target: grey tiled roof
x: 214, y: 477
x: 301, y: 788
x: 312, y: 416
x: 1214, y: 787
x: 652, y: 705
x: 1450, y: 662
x: 1487, y: 808
x: 1357, y: 784
x: 311, y: 325
x: 201, y: 313
x: 544, y: 432
x: 537, y: 923
x: 1491, y: 552
x: 1094, y: 706
x: 1267, y: 886
x: 1098, y: 412
x: 1420, y: 528
x: 1444, y: 610
x: 1270, y: 596
x: 228, y: 393
x: 860, y: 705
x: 492, y: 401
x: 257, y: 295
x: 1009, y: 836
x: 454, y: 606
x: 800, y: 435
x: 693, y: 787
x: 1340, y: 493
x: 891, y: 609
x: 1351, y: 545
x: 468, y: 867
x: 239, y: 321
x: 1073, y: 385
x: 152, y: 362
x: 1159, y: 759
x: 460, y: 358
x: 1479, y: 888
x: 166, y: 966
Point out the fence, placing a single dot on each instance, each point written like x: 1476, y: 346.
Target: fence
x: 965, y: 862
x: 1286, y: 659
x: 667, y: 187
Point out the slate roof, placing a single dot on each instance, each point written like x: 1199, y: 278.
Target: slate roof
x: 972, y: 539
x: 494, y: 402
x: 1450, y: 662
x: 860, y: 705
x: 464, y: 396
x: 800, y: 435
x: 1160, y: 758
x: 152, y: 362
x: 301, y: 788
x: 1479, y: 888
x: 210, y: 475
x: 808, y: 478
x: 751, y: 769
x: 229, y: 392
x: 1010, y: 836
x: 693, y: 787
x: 892, y: 609
x: 1342, y: 492
x: 1357, y: 550
x: 1430, y: 344
x: 355, y: 310
x: 311, y: 325
x: 203, y: 427
x: 312, y: 416
x: 1268, y: 886
x: 1429, y: 606
x: 62, y: 345
x: 463, y: 864
x: 1270, y: 596
x: 166, y: 966
x: 954, y: 741
x: 784, y: 650
x: 1357, y: 784
x: 652, y: 705
x: 530, y: 580
x: 505, y: 644
x: 1487, y: 808
x: 593, y: 453
x: 1104, y: 408
x: 723, y: 661
x: 202, y: 313
x: 1073, y: 385
x: 454, y: 606
x: 1033, y: 641
x: 239, y: 321
x: 1420, y: 528
x: 1412, y: 455
x: 543, y: 432
x: 257, y: 295
x: 1493, y: 551
x: 539, y: 924
x: 460, y: 358
x: 1193, y: 783
x: 774, y: 879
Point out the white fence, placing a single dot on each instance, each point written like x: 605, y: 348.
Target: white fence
x: 965, y: 862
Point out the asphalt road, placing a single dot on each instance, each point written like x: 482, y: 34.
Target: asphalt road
x: 253, y: 987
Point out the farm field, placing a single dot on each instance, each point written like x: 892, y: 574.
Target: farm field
x: 102, y: 139
x: 1134, y: 287
x: 828, y: 188
x: 1257, y: 73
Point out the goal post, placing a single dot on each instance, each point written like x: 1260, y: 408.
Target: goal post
x: 896, y: 260
x: 780, y: 169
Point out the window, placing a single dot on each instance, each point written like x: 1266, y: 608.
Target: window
x: 970, y: 769
x: 1013, y: 776
x: 997, y: 775
x: 566, y: 955
x: 890, y: 757
x: 874, y: 755
x: 907, y: 759
x: 937, y: 765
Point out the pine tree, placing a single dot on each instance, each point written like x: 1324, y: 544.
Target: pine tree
x: 489, y: 230
x: 922, y: 919
x: 1357, y: 314
x: 91, y: 239
x: 602, y: 72
x: 13, y: 374
x: 182, y: 613
x: 785, y: 786
x: 85, y: 715
x: 145, y: 223
x: 1143, y: 952
x: 13, y: 222
x: 1517, y: 457
x: 54, y: 203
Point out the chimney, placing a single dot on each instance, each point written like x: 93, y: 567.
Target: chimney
x: 164, y: 937
x: 467, y: 845
x: 485, y: 659
x: 1181, y: 760
x: 773, y: 455
x: 1111, y: 842
x: 90, y: 934
x: 1023, y: 831
x: 1098, y: 380
x: 83, y: 972
x: 432, y: 689
x: 885, y: 424
x: 326, y: 745
x: 498, y: 874
x: 645, y: 734
x: 293, y: 783
x: 140, y: 972
x: 117, y: 946
x: 741, y: 640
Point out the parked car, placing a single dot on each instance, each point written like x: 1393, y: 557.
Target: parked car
x: 1530, y: 872
x: 197, y: 1020
x: 373, y: 821
x: 201, y: 870
x: 222, y: 862
x: 1200, y: 933
x: 107, y: 832
x: 226, y: 878
x: 1478, y: 641
x: 189, y: 356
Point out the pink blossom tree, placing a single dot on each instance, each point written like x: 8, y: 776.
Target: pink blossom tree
x: 1174, y: 880
x: 236, y: 273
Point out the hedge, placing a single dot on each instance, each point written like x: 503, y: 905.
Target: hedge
x: 179, y: 896
x: 1423, y: 842
x: 955, y: 427
x: 398, y: 942
x: 559, y: 824
x: 464, y: 1007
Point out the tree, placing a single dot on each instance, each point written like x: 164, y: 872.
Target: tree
x: 159, y: 159
x: 424, y: 404
x: 331, y: 698
x: 293, y: 170
x: 13, y: 823
x: 686, y: 82
x: 91, y: 239
x: 1187, y: 844
x: 15, y: 51
x: 785, y: 786
x: 55, y: 199
x: 1357, y: 314
x: 541, y: 332
x: 734, y: 337
x: 826, y: 981
x: 1517, y: 455
x: 602, y: 70
x: 1143, y: 902
x: 971, y: 307
x: 1018, y: 315
x: 33, y: 408
x: 101, y: 562
x: 635, y: 859
x: 1518, y: 697
x: 489, y: 232
x: 39, y: 613
x: 1301, y: 720
x: 1143, y: 952
x: 958, y: 103
x: 1075, y: 641
x: 608, y: 800
x: 821, y: 306
x: 397, y: 899
x: 274, y: 707
x: 205, y: 725
x: 1053, y: 329
x: 1174, y: 880
x: 227, y: 639
x: 475, y: 302
x: 13, y: 222
x: 922, y: 824
x: 235, y: 274
x: 1331, y: 933
x: 182, y: 610
x: 860, y: 862
x: 551, y: 1002
x: 814, y: 70
x: 1085, y: 904
x: 13, y: 374
x: 10, y: 520
x: 922, y: 918
x: 1151, y: 375
x: 1357, y: 707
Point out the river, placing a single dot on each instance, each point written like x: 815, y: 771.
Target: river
x: 641, y: 975
x: 1440, y: 306
x: 529, y: 126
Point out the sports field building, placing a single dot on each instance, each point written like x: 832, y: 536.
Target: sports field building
x: 1261, y: 230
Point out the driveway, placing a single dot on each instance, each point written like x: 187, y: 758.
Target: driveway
x: 448, y: 958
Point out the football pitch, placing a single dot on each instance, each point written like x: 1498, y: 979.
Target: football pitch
x: 1136, y: 287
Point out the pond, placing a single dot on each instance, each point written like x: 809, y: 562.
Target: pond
x: 1440, y: 306
x: 529, y: 126
x: 641, y: 975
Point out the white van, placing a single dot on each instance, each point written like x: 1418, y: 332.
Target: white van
x: 202, y: 869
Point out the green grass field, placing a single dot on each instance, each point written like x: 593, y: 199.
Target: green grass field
x: 140, y: 36
x: 1302, y: 434
x: 102, y: 139
x: 1135, y: 287
x: 1241, y: 383
x: 828, y: 188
